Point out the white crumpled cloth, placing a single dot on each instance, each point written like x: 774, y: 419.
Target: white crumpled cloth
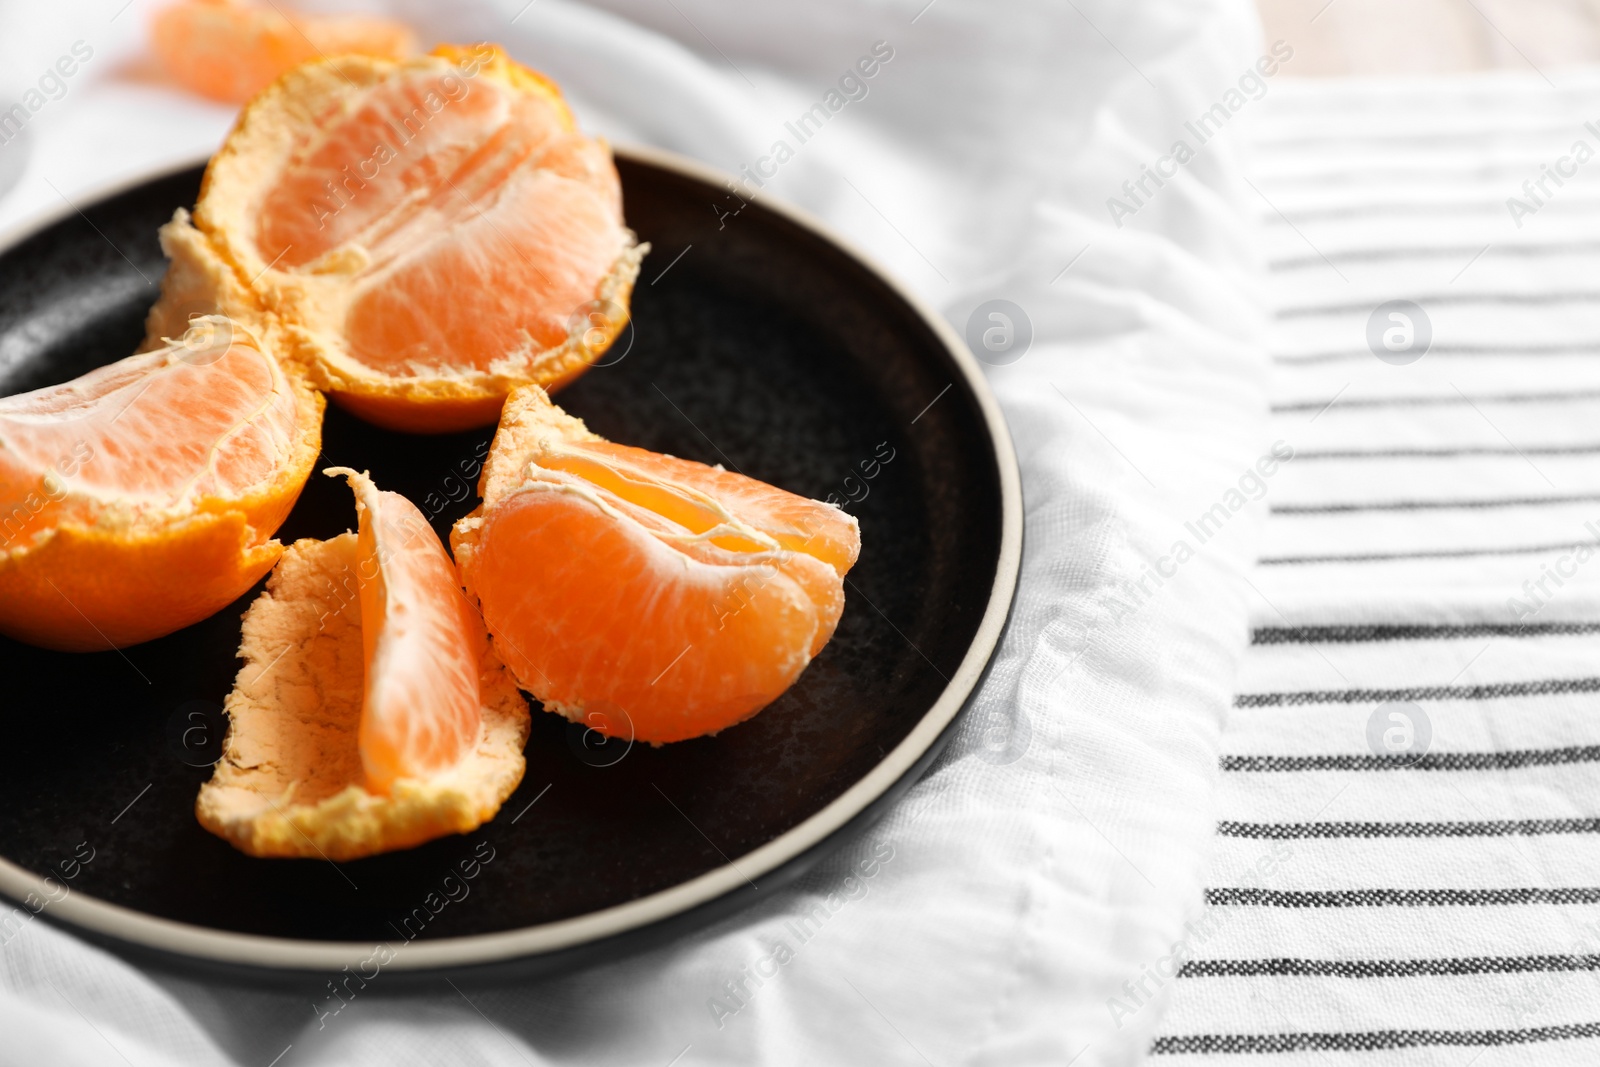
x: 1055, y: 851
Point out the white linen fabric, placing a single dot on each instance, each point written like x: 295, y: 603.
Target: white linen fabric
x: 1053, y: 853
x: 1408, y: 861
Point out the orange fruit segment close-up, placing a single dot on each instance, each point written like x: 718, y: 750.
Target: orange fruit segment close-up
x: 229, y: 50
x: 433, y: 243
x: 142, y: 497
x: 370, y: 713
x: 644, y: 596
x: 428, y: 233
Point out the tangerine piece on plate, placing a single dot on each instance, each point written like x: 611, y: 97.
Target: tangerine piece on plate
x: 370, y: 713
x: 432, y: 233
x: 643, y: 595
x: 229, y: 50
x: 143, y: 496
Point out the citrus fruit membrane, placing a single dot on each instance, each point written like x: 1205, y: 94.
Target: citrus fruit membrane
x: 142, y: 497
x: 229, y: 50
x: 430, y: 233
x: 645, y: 596
x: 371, y: 714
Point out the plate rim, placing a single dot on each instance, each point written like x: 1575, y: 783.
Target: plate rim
x: 81, y: 912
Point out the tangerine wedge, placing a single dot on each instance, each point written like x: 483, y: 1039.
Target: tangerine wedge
x: 431, y: 233
x: 643, y: 595
x: 142, y: 497
x: 230, y: 50
x: 370, y: 713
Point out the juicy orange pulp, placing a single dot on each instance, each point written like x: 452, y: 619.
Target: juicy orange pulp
x: 108, y: 438
x: 141, y: 497
x: 432, y: 233
x: 421, y: 643
x: 230, y: 50
x: 643, y: 595
x: 483, y: 234
x: 370, y: 713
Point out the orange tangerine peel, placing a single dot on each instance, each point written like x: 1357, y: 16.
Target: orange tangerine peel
x: 142, y: 497
x: 429, y: 233
x: 645, y: 596
x: 370, y: 713
x: 230, y: 50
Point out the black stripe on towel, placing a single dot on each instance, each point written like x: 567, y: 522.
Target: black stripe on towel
x: 1569, y: 396
x: 1446, y: 453
x: 1287, y: 831
x: 1348, y: 634
x: 1363, y: 1041
x: 1238, y: 896
x: 1491, y: 691
x: 1429, y: 761
x: 1285, y: 967
x: 1427, y: 553
x: 1433, y: 505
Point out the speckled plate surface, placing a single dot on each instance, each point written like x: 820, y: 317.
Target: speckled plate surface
x: 759, y: 342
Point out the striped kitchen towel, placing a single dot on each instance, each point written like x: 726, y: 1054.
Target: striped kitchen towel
x: 1407, y: 862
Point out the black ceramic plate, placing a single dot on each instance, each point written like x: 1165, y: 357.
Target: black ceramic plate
x: 759, y: 342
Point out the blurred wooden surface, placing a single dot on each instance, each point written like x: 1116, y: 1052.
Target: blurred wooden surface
x: 1432, y: 36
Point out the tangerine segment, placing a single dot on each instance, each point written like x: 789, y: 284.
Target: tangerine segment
x: 433, y: 233
x: 229, y: 50
x: 421, y: 643
x: 141, y: 497
x: 293, y: 780
x: 643, y: 595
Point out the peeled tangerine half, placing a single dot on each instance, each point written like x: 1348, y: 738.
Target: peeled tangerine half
x: 230, y: 50
x: 143, y: 496
x: 642, y: 595
x: 431, y: 233
x: 370, y: 713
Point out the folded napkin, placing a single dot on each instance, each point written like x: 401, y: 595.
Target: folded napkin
x: 1408, y: 860
x: 1058, y: 846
